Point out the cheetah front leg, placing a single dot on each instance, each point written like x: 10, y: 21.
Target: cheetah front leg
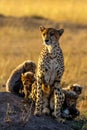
x: 26, y: 92
x: 38, y: 105
x: 58, y: 100
x: 45, y: 109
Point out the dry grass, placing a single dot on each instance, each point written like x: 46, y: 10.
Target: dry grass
x: 64, y: 10
x: 18, y: 45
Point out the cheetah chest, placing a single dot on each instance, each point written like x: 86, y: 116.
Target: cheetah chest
x: 51, y: 72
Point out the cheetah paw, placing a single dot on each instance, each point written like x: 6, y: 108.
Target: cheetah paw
x: 54, y: 115
x: 59, y: 119
x: 46, y: 111
x: 25, y: 101
x: 37, y: 113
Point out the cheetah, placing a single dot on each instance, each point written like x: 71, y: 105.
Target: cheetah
x: 14, y: 83
x: 49, y: 71
x: 69, y: 110
x: 72, y: 93
x: 27, y: 79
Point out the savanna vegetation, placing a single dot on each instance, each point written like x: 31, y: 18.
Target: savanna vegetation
x: 71, y: 11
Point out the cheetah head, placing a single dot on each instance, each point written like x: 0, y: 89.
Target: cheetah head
x: 71, y: 98
x: 50, y: 36
x: 27, y: 79
x: 30, y: 66
x: 76, y: 88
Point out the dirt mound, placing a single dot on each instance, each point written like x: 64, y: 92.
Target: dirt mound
x: 14, y: 115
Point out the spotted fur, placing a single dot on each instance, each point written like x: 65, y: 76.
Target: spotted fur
x: 27, y: 81
x: 68, y: 110
x: 47, y: 97
x: 49, y: 71
x: 72, y: 93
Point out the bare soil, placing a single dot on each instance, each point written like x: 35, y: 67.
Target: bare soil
x: 14, y: 115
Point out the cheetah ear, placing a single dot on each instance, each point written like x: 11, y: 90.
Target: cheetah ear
x: 60, y: 31
x: 42, y: 28
x: 26, y: 64
x: 72, y: 87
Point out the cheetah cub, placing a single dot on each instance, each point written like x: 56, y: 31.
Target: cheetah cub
x: 72, y: 93
x: 49, y: 71
x: 27, y: 80
x: 14, y: 83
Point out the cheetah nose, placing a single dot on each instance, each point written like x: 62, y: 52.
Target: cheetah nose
x: 46, y: 40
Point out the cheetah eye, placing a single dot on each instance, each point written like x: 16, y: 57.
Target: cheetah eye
x: 51, y: 33
x: 43, y: 34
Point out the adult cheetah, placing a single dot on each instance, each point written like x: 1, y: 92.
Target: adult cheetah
x: 49, y: 71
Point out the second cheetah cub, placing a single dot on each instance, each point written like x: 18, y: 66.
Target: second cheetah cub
x: 27, y: 81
